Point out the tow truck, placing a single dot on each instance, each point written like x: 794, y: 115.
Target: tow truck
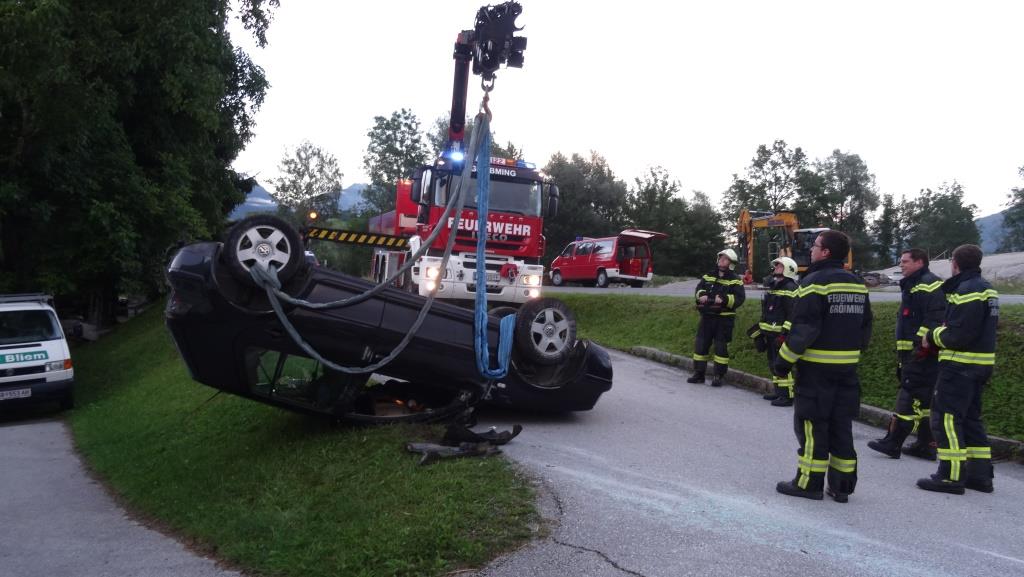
x: 514, y: 230
x: 251, y: 317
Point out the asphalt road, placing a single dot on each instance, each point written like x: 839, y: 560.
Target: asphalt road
x: 665, y: 478
x: 55, y: 521
x: 686, y: 288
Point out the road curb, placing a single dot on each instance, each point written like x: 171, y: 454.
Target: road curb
x: 1001, y: 448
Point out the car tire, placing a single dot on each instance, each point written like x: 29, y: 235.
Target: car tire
x: 263, y: 240
x: 602, y: 279
x: 556, y: 278
x: 545, y: 331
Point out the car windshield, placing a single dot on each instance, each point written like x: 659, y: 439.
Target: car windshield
x: 17, y: 327
x: 517, y: 196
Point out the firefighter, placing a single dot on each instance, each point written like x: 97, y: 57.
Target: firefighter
x: 922, y: 308
x: 831, y: 325
x: 718, y: 295
x: 966, y: 344
x: 770, y: 332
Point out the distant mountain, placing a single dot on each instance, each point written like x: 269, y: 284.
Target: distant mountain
x: 991, y: 229
x: 352, y: 196
x: 259, y: 200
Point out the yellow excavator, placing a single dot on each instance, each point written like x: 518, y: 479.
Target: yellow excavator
x: 766, y: 235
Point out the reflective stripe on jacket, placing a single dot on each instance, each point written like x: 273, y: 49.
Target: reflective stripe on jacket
x: 968, y: 332
x: 831, y: 322
x: 777, y: 305
x: 729, y: 286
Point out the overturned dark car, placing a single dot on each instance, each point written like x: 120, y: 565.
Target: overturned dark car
x: 232, y: 339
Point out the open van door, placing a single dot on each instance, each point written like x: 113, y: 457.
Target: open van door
x: 634, y: 256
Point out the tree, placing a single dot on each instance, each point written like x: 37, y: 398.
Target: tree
x: 396, y: 149
x: 96, y: 186
x: 941, y: 221
x: 1013, y: 220
x: 698, y: 238
x: 846, y: 196
x: 773, y: 180
x: 311, y: 180
x: 437, y: 138
x: 591, y: 204
x: 885, y: 230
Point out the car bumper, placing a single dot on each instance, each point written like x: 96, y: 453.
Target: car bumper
x: 35, y: 390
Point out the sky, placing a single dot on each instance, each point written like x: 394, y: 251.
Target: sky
x: 925, y: 92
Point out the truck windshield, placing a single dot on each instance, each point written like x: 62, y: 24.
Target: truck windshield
x: 517, y: 196
x: 29, y: 326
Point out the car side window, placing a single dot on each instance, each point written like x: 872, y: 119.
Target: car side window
x: 568, y: 250
x: 584, y: 249
x: 603, y: 247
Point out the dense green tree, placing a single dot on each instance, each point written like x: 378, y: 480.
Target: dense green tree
x: 592, y: 200
x: 940, y: 221
x: 843, y: 202
x: 699, y: 237
x: 885, y: 230
x: 1013, y: 220
x: 310, y: 180
x: 395, y: 150
x: 119, y: 121
x: 772, y: 182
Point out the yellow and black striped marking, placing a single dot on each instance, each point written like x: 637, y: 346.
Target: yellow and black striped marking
x: 355, y: 237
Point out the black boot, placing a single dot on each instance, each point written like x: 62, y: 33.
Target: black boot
x: 892, y: 441
x: 773, y: 394
x: 696, y: 378
x: 813, y: 490
x: 979, y: 475
x: 783, y: 400
x: 924, y: 447
x: 940, y: 485
x: 717, y: 381
x: 838, y: 496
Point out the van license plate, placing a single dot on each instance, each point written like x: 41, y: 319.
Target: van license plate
x: 15, y: 394
x: 492, y: 277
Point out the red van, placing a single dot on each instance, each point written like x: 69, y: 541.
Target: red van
x: 624, y: 258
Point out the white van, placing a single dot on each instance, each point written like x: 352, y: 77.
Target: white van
x: 35, y: 362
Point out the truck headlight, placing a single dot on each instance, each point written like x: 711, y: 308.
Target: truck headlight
x: 55, y: 366
x: 433, y: 272
x: 531, y: 280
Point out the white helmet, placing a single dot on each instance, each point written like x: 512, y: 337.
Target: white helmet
x: 731, y: 255
x: 788, y: 266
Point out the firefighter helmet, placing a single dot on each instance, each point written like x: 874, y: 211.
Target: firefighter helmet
x: 788, y: 266
x: 731, y: 255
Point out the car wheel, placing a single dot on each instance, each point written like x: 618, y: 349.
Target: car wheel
x: 556, y: 278
x: 265, y: 241
x: 545, y: 331
x: 602, y: 279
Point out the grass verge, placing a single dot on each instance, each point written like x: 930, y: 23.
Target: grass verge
x: 276, y: 493
x: 669, y: 324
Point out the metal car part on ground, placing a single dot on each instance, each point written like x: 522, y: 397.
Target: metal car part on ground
x: 231, y: 339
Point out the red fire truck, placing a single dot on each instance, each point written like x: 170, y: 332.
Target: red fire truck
x: 519, y: 199
x: 514, y: 237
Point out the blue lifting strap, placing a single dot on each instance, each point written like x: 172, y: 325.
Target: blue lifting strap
x: 483, y: 187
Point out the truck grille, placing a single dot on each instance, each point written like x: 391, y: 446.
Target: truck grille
x: 22, y: 371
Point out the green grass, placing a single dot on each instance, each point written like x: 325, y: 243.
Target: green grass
x: 277, y: 493
x: 1008, y: 287
x: 669, y: 324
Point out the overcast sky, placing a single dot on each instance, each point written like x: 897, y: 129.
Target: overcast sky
x: 925, y: 92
